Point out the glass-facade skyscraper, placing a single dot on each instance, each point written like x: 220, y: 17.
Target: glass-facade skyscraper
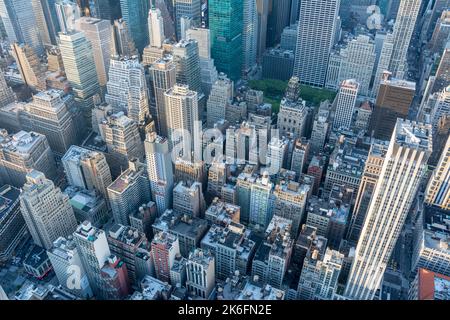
x: 135, y: 13
x: 225, y: 23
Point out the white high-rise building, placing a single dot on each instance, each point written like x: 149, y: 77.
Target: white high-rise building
x: 260, y: 208
x: 67, y: 12
x: 403, y: 168
x: 383, y: 62
x: 98, y: 32
x: 186, y: 10
x: 159, y: 169
x: 65, y: 259
x: 316, y: 34
x: 183, y: 118
x: 438, y: 189
x: 200, y: 270
x: 46, y: 210
x: 405, y: 23
x: 127, y: 88
x: 221, y: 95
x: 94, y: 252
x: 155, y: 28
x: 345, y: 106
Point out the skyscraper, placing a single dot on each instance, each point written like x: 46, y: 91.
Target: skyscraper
x: 67, y: 12
x: 402, y: 171
x: 135, y: 13
x: 99, y: 34
x: 249, y: 36
x: 129, y: 191
x: 315, y: 39
x: 187, y: 62
x: 345, y: 106
x: 191, y: 9
x: 20, y: 24
x: 46, y: 210
x: 123, y: 43
x: 405, y: 23
x: 221, y: 95
x: 226, y: 25
x: 41, y: 23
x: 163, y: 73
x: 79, y: 65
x: 30, y: 66
x: 87, y: 169
x: 438, y: 189
x: 159, y: 168
x: 155, y: 28
x: 127, y: 88
x: 260, y: 208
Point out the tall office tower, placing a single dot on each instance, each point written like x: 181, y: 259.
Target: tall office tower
x: 7, y: 94
x: 79, y: 65
x: 315, y: 39
x: 441, y: 33
x: 441, y: 108
x: 232, y: 247
x: 155, y: 28
x: 165, y: 247
x: 188, y: 199
x: 94, y: 252
x: 320, y: 128
x: 200, y: 270
x: 127, y: 88
x: 300, y: 155
x: 30, y: 67
x: 163, y: 73
x: 87, y: 169
x: 226, y: 25
x: 403, y: 32
x: 277, y: 152
x: 51, y: 116
x: 187, y: 62
x: 46, y: 210
x: 262, y: 8
x: 279, y: 18
x: 22, y: 152
x: 249, y: 36
x: 98, y: 32
x: 442, y: 77
x: 438, y: 189
x: 130, y: 244
x: 402, y: 171
x: 123, y: 43
x: 103, y: 9
x: 345, y: 105
x: 159, y: 168
x: 319, y: 277
x: 12, y: 224
x: 372, y: 171
x: 183, y: 118
x: 65, y: 258
x: 383, y: 62
x: 20, y: 24
x: 293, y: 112
x: 208, y: 70
x: 41, y: 23
x: 356, y: 61
x: 393, y: 101
x: 260, y: 208
x: 135, y: 13
x: 123, y: 141
x: 273, y: 256
x: 129, y: 191
x: 190, y: 9
x: 290, y: 202
x: 295, y: 11
x: 68, y: 12
x: 221, y: 96
x: 51, y: 18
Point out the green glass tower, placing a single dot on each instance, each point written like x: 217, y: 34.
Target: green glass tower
x: 226, y: 25
x: 135, y: 14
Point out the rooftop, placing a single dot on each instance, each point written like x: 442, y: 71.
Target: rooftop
x: 21, y: 142
x: 255, y: 292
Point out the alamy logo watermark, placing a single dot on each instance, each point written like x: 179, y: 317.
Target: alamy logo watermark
x: 374, y: 21
x: 74, y: 279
